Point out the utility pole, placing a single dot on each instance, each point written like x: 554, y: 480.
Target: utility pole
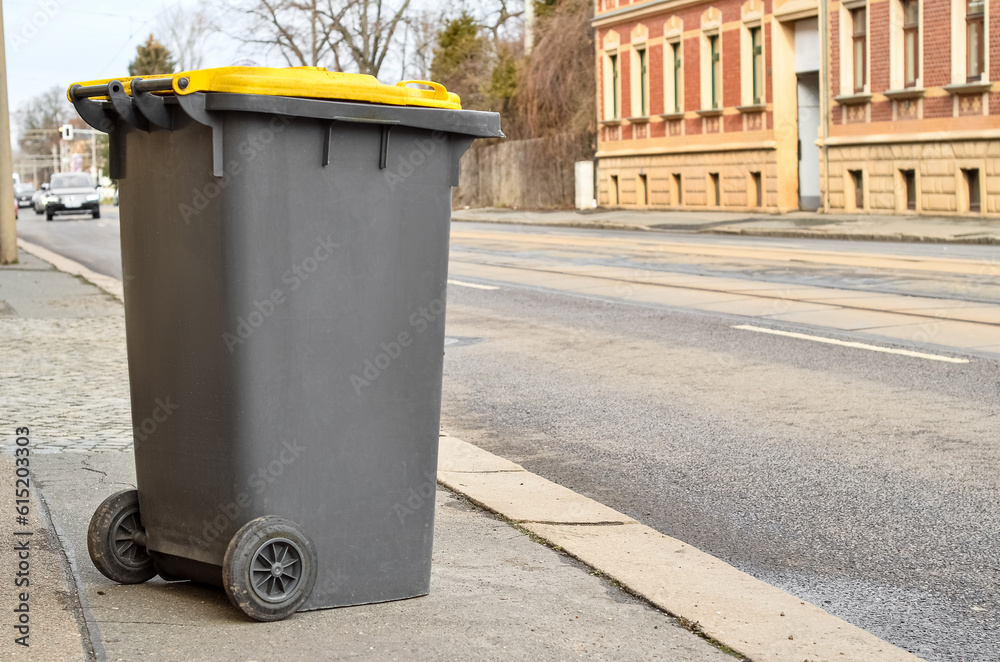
x: 529, y: 26
x: 824, y: 97
x: 8, y: 225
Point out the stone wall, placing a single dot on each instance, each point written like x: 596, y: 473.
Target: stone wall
x: 939, y: 168
x: 733, y: 167
x: 522, y: 174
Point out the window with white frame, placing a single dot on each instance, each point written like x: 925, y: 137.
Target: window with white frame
x: 640, y: 81
x: 675, y: 77
x: 905, y: 48
x: 711, y: 59
x: 612, y: 86
x: 911, y: 42
x: 854, y: 47
x: 970, y: 41
x: 757, y: 60
x: 859, y: 48
x: 752, y: 53
x: 975, y: 23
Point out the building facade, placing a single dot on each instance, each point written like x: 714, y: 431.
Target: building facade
x: 871, y: 106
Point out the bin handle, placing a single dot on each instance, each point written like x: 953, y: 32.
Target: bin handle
x: 440, y: 91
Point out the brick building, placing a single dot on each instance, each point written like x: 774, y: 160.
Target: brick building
x: 730, y: 104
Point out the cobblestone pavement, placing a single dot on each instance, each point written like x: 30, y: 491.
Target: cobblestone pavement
x: 67, y: 380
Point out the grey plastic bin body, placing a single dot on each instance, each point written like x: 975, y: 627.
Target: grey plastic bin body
x: 285, y: 329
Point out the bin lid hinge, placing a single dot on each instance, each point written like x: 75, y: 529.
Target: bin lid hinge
x: 92, y: 112
x: 152, y: 106
x: 125, y: 107
x: 194, y: 106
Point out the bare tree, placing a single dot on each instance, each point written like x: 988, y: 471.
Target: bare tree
x: 555, y: 89
x: 38, y: 119
x: 359, y: 35
x: 301, y: 30
x: 365, y: 31
x: 498, y: 16
x: 420, y: 37
x: 185, y: 32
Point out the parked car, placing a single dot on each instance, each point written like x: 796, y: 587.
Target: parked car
x: 38, y: 199
x: 23, y: 194
x: 72, y: 193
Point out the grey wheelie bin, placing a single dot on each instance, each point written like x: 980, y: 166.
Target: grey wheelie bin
x: 285, y: 252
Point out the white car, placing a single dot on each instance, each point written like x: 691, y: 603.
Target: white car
x: 72, y: 193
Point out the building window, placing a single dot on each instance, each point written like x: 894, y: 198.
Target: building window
x: 614, y: 190
x: 676, y: 69
x: 643, y: 84
x: 911, y: 42
x: 910, y: 188
x: 974, y: 38
x: 678, y: 190
x: 713, y: 188
x: 614, y: 86
x: 860, y: 22
x: 643, y: 190
x: 715, y: 64
x: 972, y: 186
x: 858, y: 181
x: 757, y: 62
x: 758, y: 189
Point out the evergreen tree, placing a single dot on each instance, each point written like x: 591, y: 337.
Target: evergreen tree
x: 544, y: 8
x: 151, y: 58
x: 462, y: 60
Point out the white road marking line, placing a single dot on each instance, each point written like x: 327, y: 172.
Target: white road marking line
x: 856, y: 345
x: 475, y: 285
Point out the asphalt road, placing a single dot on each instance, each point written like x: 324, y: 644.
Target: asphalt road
x: 860, y: 480
x: 94, y: 243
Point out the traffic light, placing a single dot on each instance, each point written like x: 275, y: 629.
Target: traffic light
x: 67, y: 132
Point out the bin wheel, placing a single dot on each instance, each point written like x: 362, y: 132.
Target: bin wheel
x: 49, y: 215
x: 111, y: 540
x: 269, y: 568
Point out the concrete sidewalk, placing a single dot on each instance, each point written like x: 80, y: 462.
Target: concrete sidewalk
x: 812, y: 225
x: 496, y: 593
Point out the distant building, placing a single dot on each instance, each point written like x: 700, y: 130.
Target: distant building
x: 731, y: 105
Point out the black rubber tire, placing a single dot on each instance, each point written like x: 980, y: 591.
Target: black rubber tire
x: 115, y: 555
x: 277, y: 593
x: 49, y: 216
x: 95, y: 214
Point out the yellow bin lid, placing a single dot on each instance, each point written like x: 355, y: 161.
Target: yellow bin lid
x: 306, y: 82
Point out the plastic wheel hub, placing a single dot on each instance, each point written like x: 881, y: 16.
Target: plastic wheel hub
x: 123, y: 544
x: 276, y: 569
